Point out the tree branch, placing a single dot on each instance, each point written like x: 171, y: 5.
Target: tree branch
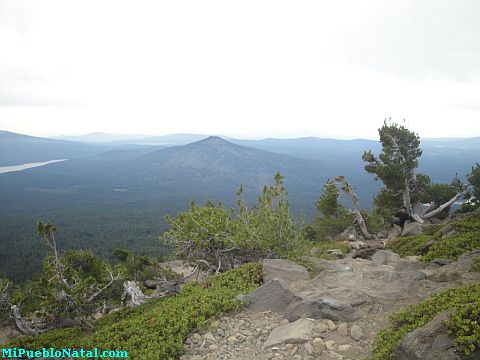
x: 445, y: 205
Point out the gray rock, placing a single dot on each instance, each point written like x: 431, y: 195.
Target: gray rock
x: 412, y: 228
x: 426, y: 247
x: 292, y: 333
x: 322, y: 308
x: 275, y: 296
x: 356, y: 332
x: 444, y: 274
x: 389, y: 258
x: 441, y: 262
x: 309, y: 348
x: 364, y: 253
x: 150, y: 284
x: 431, y: 342
x: 286, y: 270
x: 342, y: 329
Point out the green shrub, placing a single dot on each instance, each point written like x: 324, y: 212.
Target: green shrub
x: 462, y: 323
x: 223, y: 238
x: 323, y: 247
x: 453, y: 246
x: 475, y: 265
x: 466, y: 238
x: 157, y: 329
x: 408, y: 245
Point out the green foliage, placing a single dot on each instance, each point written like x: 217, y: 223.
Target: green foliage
x: 463, y: 321
x: 331, y: 219
x: 408, y: 245
x: 474, y: 180
x: 157, y: 329
x: 399, y: 156
x: 328, y: 204
x: 466, y: 238
x: 321, y: 249
x: 223, y: 238
x: 374, y: 221
x: 475, y: 265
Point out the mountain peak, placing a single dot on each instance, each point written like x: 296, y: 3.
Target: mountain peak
x: 213, y: 140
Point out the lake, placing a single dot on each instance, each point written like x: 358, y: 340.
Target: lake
x: 7, y: 169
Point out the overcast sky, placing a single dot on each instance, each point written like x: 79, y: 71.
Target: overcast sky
x: 243, y: 68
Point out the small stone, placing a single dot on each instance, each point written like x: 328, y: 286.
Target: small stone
x: 279, y: 356
x: 342, y: 329
x: 309, y: 348
x: 335, y: 356
x: 321, y: 328
x: 331, y: 325
x: 356, y: 332
x: 330, y: 344
x: 288, y: 346
x: 293, y: 351
x: 284, y: 321
x: 213, y: 347
x: 209, y: 337
x: 344, y: 347
x: 197, y: 337
x: 318, y: 344
x: 232, y: 339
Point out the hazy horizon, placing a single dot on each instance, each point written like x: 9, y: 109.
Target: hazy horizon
x: 131, y: 136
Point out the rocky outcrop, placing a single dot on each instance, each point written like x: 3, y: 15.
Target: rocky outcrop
x: 345, y: 291
x: 287, y: 270
x: 275, y: 296
x: 431, y: 342
x: 412, y: 228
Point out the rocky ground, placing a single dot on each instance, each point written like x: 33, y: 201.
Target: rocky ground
x: 335, y: 315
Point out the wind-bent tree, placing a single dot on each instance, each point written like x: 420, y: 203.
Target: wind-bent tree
x: 345, y: 186
x: 396, y: 166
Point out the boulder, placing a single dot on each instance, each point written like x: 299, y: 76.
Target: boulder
x: 387, y: 257
x: 322, y: 308
x: 412, y: 228
x: 430, y: 342
x: 441, y: 262
x: 357, y: 333
x: 364, y: 253
x: 426, y: 247
x: 292, y: 333
x: 287, y: 270
x: 395, y: 232
x: 274, y: 295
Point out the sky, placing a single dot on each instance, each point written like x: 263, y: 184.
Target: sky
x: 240, y: 68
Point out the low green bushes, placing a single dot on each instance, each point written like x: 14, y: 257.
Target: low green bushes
x: 465, y: 237
x: 157, y: 329
x: 463, y: 321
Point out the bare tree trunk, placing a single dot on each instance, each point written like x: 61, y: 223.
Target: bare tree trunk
x: 445, y: 205
x: 21, y: 323
x: 345, y: 186
x: 406, y: 197
x: 132, y: 290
